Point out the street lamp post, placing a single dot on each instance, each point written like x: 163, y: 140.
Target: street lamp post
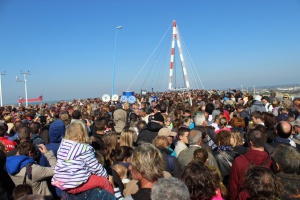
x: 114, y: 69
x: 25, y: 81
x: 1, y: 87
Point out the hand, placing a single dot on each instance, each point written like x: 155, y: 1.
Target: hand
x: 43, y: 149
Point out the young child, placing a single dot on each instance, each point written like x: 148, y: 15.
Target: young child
x: 122, y: 172
x: 77, y: 169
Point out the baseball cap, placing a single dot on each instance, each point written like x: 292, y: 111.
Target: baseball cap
x: 166, y: 132
x: 157, y: 117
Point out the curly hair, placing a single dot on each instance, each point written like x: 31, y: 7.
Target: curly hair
x: 224, y: 137
x: 199, y: 181
x: 262, y: 184
x: 237, y: 122
x: 147, y: 160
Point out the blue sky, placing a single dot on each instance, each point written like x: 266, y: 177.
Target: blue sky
x: 69, y: 45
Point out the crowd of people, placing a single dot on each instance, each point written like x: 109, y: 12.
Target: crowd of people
x: 197, y: 144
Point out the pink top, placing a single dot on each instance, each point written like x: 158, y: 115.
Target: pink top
x: 218, y: 196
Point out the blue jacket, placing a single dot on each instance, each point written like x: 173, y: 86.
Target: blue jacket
x: 14, y: 164
x: 56, y: 133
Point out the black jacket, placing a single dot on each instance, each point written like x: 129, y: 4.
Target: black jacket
x: 166, y: 154
x: 224, y: 165
x: 149, y: 133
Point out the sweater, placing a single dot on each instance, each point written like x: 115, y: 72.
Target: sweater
x: 239, y: 167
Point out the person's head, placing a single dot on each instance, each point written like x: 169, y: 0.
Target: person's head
x: 100, y: 124
x: 223, y: 122
x: 3, y: 129
x: 121, y: 170
x: 66, y: 119
x: 76, y: 114
x: 275, y: 102
x: 236, y: 138
x: 195, y: 137
x: 223, y: 138
x: 284, y: 129
x: 141, y: 125
x: 286, y: 159
x: 21, y: 190
x: 128, y: 138
x: 255, y: 138
x: 183, y: 134
x: 256, y: 117
x: 296, y: 103
x: 34, y: 127
x: 27, y: 148
x: 201, y: 155
x: 261, y: 183
x: 111, y: 141
x: 123, y: 154
x: 270, y: 121
x: 265, y: 100
x: 237, y: 122
x: 160, y: 142
x: 199, y: 181
x: 24, y: 134
x: 168, y: 134
x: 157, y: 118
x: 170, y: 189
x: 146, y: 163
x: 168, y: 120
x: 216, y: 175
x: 287, y: 103
x: 77, y: 131
x: 200, y: 119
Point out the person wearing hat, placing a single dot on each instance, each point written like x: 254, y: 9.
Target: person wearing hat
x: 257, y: 105
x: 169, y: 135
x: 266, y: 101
x: 156, y: 122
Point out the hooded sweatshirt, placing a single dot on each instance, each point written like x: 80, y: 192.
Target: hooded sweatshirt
x: 149, y: 133
x: 16, y: 167
x: 257, y: 106
x: 241, y: 164
x: 120, y: 119
x: 56, y: 132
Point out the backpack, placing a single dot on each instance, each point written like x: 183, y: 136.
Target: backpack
x: 28, y: 172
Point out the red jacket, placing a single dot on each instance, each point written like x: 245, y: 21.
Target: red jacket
x: 239, y: 167
x: 9, y: 145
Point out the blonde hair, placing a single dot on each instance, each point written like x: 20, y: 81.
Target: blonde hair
x: 160, y: 141
x: 65, y: 117
x: 147, y: 160
x: 128, y: 138
x: 77, y: 131
x: 238, y: 140
x: 121, y: 170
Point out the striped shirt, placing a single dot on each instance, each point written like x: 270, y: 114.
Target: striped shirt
x: 75, y: 164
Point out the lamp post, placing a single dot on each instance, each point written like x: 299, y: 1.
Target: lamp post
x: 25, y: 81
x: 114, y: 69
x: 1, y: 87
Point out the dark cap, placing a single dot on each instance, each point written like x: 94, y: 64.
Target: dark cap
x: 266, y: 98
x: 157, y: 117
